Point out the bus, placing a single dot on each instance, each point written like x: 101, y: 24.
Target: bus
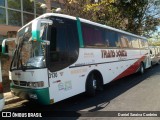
x: 58, y: 56
x: 155, y: 55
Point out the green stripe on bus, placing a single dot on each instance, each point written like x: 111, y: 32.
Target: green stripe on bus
x: 80, y: 33
x: 36, y: 35
x: 42, y: 94
x: 3, y: 49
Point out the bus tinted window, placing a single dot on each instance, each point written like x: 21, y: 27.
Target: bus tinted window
x: 64, y: 44
x: 125, y: 41
x: 140, y: 43
x: 135, y: 42
x: 73, y: 46
x: 144, y: 43
x: 111, y: 38
x: 93, y: 36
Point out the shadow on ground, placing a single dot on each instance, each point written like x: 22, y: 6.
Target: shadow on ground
x: 80, y: 102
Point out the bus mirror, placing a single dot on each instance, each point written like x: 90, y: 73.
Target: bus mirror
x: 4, y: 44
x: 36, y: 28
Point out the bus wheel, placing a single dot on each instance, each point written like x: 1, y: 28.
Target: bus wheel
x: 151, y: 64
x: 158, y: 62
x: 91, y: 85
x: 141, y: 70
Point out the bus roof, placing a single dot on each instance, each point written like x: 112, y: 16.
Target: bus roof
x: 84, y: 21
x: 154, y: 46
x: 110, y: 28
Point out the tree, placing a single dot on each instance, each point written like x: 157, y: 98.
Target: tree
x: 143, y: 15
x: 136, y: 16
x: 154, y: 40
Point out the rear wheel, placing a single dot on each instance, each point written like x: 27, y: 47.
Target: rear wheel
x: 141, y: 70
x: 158, y: 62
x: 91, y: 85
x: 151, y: 64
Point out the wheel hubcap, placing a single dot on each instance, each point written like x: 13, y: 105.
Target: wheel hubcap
x: 94, y: 84
x: 142, y: 70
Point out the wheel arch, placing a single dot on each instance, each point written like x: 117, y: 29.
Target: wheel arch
x: 96, y: 73
x: 142, y: 62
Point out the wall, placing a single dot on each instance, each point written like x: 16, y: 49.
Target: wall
x: 7, y: 31
x: 5, y: 65
x: 5, y: 28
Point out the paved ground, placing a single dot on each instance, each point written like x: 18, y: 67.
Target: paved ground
x: 10, y: 99
x: 133, y: 93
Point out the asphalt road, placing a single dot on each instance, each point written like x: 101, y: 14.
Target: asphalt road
x: 132, y: 93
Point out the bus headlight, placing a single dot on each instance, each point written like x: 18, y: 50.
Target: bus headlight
x: 35, y: 84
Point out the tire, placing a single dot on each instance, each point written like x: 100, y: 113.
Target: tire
x: 91, y: 85
x: 151, y: 64
x: 158, y: 63
x: 141, y: 69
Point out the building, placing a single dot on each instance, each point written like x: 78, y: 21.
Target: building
x: 14, y: 14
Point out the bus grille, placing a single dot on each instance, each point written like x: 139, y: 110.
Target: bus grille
x: 21, y: 83
x: 16, y: 82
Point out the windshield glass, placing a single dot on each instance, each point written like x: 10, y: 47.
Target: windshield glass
x: 28, y: 53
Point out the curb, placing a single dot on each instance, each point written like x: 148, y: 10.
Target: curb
x: 9, y: 98
x: 12, y: 100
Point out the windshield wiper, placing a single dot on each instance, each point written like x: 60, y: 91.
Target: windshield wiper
x: 20, y: 49
x: 22, y: 67
x: 14, y: 58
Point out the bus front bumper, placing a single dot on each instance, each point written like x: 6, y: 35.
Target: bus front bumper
x: 40, y: 95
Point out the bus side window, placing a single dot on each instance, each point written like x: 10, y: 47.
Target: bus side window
x: 73, y: 43
x: 64, y: 44
x: 111, y: 38
x: 124, y: 41
x: 53, y: 53
x: 100, y: 40
x: 87, y: 35
x: 93, y: 36
x: 135, y: 42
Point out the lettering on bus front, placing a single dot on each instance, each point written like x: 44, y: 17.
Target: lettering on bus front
x: 53, y: 75
x: 113, y: 53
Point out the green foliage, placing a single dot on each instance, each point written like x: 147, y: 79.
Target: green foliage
x: 154, y: 40
x: 136, y: 16
x: 142, y: 15
x: 155, y: 44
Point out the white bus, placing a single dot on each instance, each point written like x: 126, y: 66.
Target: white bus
x: 155, y: 55
x: 58, y: 56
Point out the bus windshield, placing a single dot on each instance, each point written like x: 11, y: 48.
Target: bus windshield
x: 29, y: 54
